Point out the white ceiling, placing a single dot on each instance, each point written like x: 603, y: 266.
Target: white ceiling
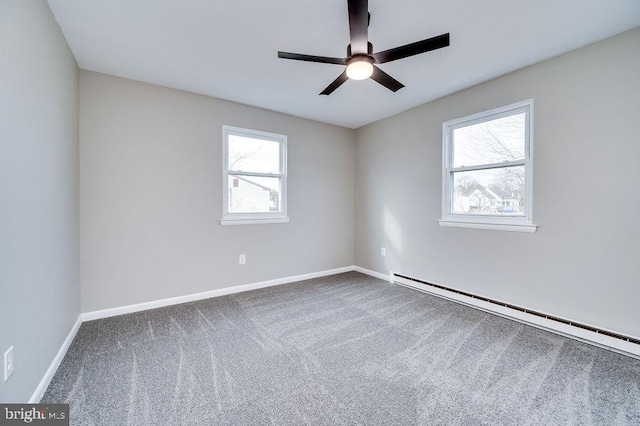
x: 227, y: 49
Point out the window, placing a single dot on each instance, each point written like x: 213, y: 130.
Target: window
x: 487, y: 165
x: 254, y: 177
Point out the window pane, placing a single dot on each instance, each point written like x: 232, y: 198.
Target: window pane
x: 489, y: 192
x: 253, y: 155
x: 251, y: 194
x: 494, y: 141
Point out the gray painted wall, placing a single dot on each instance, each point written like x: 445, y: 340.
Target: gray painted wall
x: 582, y: 263
x: 151, y: 195
x: 39, y: 272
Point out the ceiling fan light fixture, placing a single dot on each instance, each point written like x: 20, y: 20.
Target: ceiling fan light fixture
x: 360, y: 68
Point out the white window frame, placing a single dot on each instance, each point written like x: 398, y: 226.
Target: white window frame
x: 253, y: 218
x: 494, y: 222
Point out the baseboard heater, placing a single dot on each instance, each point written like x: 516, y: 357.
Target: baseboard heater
x: 592, y: 329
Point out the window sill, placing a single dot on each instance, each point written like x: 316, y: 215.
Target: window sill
x: 520, y: 227
x: 253, y: 221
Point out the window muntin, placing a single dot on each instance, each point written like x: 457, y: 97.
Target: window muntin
x: 254, y: 176
x: 487, y: 169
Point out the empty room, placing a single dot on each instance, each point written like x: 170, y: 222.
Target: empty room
x: 336, y: 212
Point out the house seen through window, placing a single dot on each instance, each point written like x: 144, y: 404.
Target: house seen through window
x: 487, y: 169
x: 254, y: 176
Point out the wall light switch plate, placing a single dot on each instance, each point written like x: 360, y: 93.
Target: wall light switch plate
x: 242, y: 259
x: 383, y: 251
x: 8, y: 363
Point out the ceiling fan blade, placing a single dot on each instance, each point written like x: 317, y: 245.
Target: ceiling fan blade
x: 312, y: 58
x: 335, y: 84
x: 358, y: 23
x: 386, y: 80
x: 412, y: 49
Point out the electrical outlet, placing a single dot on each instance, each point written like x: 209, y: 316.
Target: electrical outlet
x: 383, y: 251
x: 242, y: 259
x: 8, y: 363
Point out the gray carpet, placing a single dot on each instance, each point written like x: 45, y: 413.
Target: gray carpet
x: 342, y: 350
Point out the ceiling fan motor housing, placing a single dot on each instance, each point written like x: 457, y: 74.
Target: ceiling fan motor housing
x: 369, y: 49
x: 359, y: 58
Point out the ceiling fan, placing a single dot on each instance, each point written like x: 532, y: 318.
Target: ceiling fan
x: 360, y: 58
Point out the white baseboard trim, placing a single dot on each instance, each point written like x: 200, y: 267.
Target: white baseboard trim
x: 111, y: 312
x: 373, y: 273
x: 44, y: 383
x: 576, y: 333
